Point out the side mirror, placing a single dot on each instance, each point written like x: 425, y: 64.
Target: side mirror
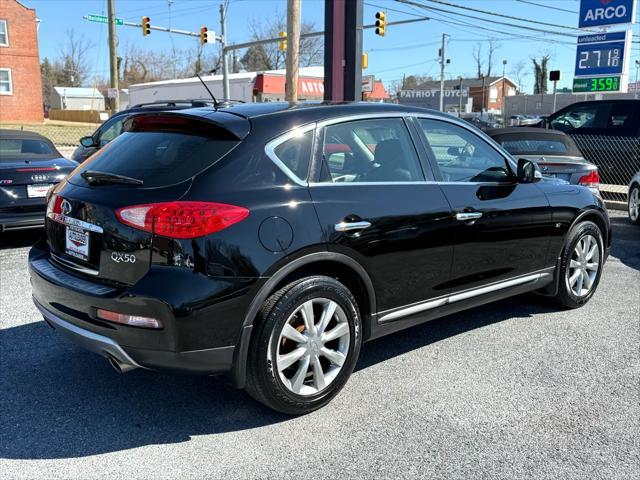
x: 87, y: 142
x: 528, y: 171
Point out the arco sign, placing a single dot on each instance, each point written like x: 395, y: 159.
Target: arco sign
x: 601, y: 13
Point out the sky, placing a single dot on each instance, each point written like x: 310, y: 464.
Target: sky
x: 404, y: 50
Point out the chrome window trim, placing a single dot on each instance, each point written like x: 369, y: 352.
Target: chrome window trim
x: 270, y: 147
x: 394, y: 314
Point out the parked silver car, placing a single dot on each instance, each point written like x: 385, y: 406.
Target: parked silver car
x: 555, y: 153
x: 634, y: 199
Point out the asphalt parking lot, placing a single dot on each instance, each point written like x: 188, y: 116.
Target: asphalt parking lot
x: 510, y: 390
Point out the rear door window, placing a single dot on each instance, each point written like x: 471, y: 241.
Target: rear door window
x: 582, y: 117
x: 157, y: 158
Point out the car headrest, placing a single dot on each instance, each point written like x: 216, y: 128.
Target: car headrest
x: 387, y: 152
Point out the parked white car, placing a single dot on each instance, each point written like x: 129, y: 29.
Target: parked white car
x: 634, y: 199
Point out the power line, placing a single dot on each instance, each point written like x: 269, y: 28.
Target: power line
x: 510, y: 17
x: 523, y: 27
x: 547, y: 6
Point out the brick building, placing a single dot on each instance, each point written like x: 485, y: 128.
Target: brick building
x: 486, y: 93
x: 20, y: 82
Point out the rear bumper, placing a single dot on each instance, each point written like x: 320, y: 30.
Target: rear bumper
x: 22, y: 213
x: 20, y: 221
x: 197, y: 341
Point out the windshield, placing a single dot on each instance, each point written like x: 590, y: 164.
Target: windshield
x: 156, y: 158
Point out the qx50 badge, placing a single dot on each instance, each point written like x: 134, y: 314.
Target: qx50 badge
x: 120, y: 257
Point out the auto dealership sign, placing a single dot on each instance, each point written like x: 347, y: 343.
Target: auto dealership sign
x: 600, y: 13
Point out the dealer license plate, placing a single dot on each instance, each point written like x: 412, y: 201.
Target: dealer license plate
x: 77, y: 242
x: 38, y: 191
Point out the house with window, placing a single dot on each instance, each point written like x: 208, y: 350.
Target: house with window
x: 20, y: 81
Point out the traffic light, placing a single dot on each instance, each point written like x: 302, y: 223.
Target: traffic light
x: 282, y: 45
x: 204, y: 35
x: 381, y: 23
x: 365, y: 60
x: 146, y: 26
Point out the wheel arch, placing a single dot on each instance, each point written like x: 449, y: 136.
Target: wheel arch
x: 336, y: 265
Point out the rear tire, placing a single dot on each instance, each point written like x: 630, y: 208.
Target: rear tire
x: 306, y: 343
x: 634, y: 205
x: 581, y: 265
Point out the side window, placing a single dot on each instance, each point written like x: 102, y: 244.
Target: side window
x: 295, y: 154
x: 111, y: 132
x: 580, y: 116
x: 365, y: 151
x: 462, y: 156
x: 621, y: 117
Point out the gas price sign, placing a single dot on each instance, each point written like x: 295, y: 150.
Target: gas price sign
x: 602, y: 55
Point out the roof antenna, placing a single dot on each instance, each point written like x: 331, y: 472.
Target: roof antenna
x: 215, y: 102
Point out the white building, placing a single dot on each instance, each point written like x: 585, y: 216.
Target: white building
x: 76, y: 98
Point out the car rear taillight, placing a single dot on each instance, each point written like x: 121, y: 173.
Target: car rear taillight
x: 54, y: 204
x: 132, y: 320
x: 181, y: 219
x: 592, y: 180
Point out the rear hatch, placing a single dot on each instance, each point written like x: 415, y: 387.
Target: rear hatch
x: 152, y: 162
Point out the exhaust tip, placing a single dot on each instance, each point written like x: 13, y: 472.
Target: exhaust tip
x: 118, y: 366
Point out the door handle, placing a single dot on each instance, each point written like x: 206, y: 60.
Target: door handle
x: 351, y: 226
x: 466, y: 216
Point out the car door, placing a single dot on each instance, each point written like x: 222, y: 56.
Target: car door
x: 502, y: 228
x: 375, y: 204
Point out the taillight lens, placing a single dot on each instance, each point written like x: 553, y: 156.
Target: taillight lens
x: 182, y: 219
x: 592, y: 180
x: 54, y: 204
x: 132, y: 320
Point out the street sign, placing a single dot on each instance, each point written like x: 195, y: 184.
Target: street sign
x: 367, y: 83
x: 103, y: 19
x: 601, y: 13
x: 599, y: 84
x: 112, y: 93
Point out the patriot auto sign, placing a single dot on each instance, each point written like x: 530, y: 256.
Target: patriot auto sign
x: 600, y: 13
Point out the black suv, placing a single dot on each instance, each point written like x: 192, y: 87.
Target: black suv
x: 268, y: 241
x: 113, y: 127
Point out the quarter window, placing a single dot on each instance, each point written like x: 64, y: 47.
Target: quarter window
x: 295, y: 154
x: 462, y: 156
x: 6, y: 86
x: 366, y: 151
x: 111, y: 132
x: 4, y: 34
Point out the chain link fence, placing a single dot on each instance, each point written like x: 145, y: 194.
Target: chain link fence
x: 617, y: 158
x: 65, y: 137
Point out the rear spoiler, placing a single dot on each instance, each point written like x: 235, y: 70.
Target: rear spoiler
x: 215, y: 124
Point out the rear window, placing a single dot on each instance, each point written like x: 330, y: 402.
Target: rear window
x: 549, y: 147
x: 157, y: 158
x: 23, y: 146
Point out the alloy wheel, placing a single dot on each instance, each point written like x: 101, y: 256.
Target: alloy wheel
x: 583, y: 266
x: 634, y: 204
x: 312, y: 346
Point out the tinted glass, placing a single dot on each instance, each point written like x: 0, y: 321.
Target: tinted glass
x: 295, y: 153
x: 364, y: 151
x: 622, y: 116
x: 532, y: 147
x: 462, y: 156
x: 111, y: 131
x: 17, y: 147
x: 581, y: 116
x: 157, y: 158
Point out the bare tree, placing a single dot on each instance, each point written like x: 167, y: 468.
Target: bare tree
x: 485, y: 62
x: 74, y: 59
x: 269, y: 56
x: 519, y: 72
x: 540, y: 67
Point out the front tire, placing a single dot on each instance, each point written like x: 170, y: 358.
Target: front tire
x: 306, y: 344
x: 634, y: 205
x: 581, y: 265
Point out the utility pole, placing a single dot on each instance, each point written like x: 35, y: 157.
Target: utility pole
x: 504, y: 93
x: 442, y: 64
x: 483, y: 96
x: 293, y: 49
x: 113, y: 56
x: 225, y: 62
x: 460, y: 93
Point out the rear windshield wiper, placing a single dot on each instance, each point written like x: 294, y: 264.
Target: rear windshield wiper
x: 96, y: 178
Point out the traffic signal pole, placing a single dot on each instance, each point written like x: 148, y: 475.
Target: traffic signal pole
x: 113, y: 56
